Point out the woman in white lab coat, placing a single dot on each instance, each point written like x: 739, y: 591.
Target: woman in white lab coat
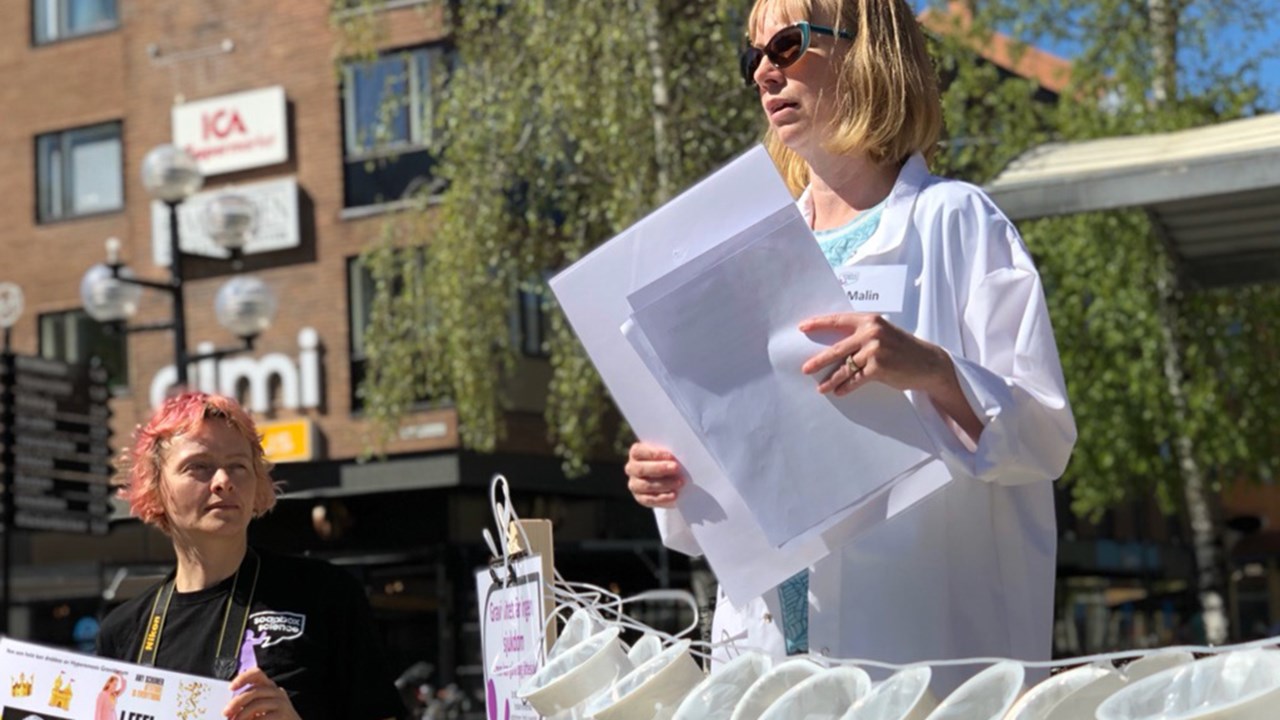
x: 852, y: 106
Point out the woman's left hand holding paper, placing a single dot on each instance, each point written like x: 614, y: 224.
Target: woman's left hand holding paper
x: 654, y: 476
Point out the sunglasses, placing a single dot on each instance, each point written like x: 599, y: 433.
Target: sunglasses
x: 784, y: 48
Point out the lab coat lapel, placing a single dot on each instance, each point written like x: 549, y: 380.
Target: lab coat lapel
x: 897, y: 211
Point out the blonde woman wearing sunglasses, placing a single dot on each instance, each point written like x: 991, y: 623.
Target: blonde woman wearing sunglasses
x: 851, y: 101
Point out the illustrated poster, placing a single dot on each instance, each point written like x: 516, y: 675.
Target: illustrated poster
x: 43, y: 683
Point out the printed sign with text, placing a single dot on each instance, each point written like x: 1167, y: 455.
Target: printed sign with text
x: 51, y: 684
x: 511, y: 619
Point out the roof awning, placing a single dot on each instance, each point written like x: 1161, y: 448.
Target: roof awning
x: 1214, y: 192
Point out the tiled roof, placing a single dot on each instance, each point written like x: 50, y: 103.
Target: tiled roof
x: 1050, y: 71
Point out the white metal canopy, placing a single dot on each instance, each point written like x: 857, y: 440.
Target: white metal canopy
x: 1213, y: 191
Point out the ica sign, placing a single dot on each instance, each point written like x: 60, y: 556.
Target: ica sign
x: 221, y: 123
x: 234, y: 132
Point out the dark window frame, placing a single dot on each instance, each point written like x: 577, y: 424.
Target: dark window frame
x: 529, y: 325
x: 385, y: 171
x: 55, y: 181
x: 41, y: 36
x: 356, y: 359
x: 118, y: 377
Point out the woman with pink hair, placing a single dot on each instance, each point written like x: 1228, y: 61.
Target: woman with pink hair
x: 294, y: 636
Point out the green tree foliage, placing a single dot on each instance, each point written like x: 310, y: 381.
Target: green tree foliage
x: 1170, y: 396
x: 565, y: 122
x: 1107, y: 274
x: 562, y: 124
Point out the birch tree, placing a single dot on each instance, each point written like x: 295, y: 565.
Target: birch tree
x: 1164, y: 378
x: 562, y: 124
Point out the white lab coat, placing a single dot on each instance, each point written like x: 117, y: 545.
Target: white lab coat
x: 969, y: 570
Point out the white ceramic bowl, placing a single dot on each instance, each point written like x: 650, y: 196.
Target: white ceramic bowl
x: 576, y: 674
x: 651, y: 691
x: 1040, y: 700
x: 903, y: 696
x: 577, y: 628
x: 715, y: 697
x: 1241, y: 685
x: 1084, y: 702
x: 765, y: 691
x: 985, y: 696
x: 825, y: 696
x: 646, y: 647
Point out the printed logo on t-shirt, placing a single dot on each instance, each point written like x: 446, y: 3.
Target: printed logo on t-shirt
x: 271, y: 627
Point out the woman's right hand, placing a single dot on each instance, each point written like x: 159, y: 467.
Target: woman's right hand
x: 653, y: 476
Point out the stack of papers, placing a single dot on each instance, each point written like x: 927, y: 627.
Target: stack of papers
x: 691, y: 318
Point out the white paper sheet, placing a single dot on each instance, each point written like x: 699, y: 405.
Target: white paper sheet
x: 725, y: 337
x: 593, y: 294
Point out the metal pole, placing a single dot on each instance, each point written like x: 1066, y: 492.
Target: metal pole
x: 6, y: 456
x: 179, y: 307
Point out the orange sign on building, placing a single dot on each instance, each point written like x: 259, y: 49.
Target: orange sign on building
x: 288, y: 440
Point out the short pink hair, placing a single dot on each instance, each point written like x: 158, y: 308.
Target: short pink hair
x: 140, y: 468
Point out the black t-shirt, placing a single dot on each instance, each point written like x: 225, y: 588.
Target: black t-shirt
x: 313, y: 632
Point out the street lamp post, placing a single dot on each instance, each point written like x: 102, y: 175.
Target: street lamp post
x: 244, y: 305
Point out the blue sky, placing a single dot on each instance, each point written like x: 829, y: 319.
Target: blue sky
x: 1228, y: 45
x: 1267, y: 38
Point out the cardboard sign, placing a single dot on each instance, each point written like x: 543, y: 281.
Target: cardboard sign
x: 511, y: 619
x: 51, y: 684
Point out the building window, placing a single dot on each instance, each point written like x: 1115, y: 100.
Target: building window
x: 74, y: 337
x: 387, y: 125
x: 360, y: 305
x: 79, y: 172
x: 360, y: 292
x: 61, y: 19
x: 360, y: 6
x: 529, y: 321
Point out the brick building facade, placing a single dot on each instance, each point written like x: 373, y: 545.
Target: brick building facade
x: 91, y: 88
x: 162, y: 54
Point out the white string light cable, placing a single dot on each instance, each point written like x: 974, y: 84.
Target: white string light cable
x: 606, y: 608
x: 1111, y: 657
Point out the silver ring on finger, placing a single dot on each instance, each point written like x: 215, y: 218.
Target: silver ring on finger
x: 852, y: 366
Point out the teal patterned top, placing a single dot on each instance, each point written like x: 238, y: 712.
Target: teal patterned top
x: 838, y: 244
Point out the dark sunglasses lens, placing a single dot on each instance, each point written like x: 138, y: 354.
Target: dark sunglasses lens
x: 748, y: 61
x: 786, y: 46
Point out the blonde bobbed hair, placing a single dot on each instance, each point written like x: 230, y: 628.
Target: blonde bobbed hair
x: 887, y: 88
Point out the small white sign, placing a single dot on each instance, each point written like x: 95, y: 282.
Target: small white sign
x: 278, y: 222
x: 874, y: 288
x: 11, y: 304
x: 511, y: 633
x: 234, y: 132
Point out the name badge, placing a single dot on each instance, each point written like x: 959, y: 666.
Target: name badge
x: 874, y: 288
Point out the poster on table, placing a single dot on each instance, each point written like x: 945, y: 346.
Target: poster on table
x: 511, y: 621
x: 43, y: 683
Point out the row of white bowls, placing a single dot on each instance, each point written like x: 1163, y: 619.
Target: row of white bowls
x: 597, y: 677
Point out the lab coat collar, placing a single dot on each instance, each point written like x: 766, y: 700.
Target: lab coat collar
x: 897, y: 212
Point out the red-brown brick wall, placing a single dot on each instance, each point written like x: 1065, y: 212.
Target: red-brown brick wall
x: 135, y: 74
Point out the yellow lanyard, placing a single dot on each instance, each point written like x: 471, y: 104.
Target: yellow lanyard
x: 227, y: 655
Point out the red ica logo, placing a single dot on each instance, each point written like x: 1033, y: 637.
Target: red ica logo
x: 221, y: 123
